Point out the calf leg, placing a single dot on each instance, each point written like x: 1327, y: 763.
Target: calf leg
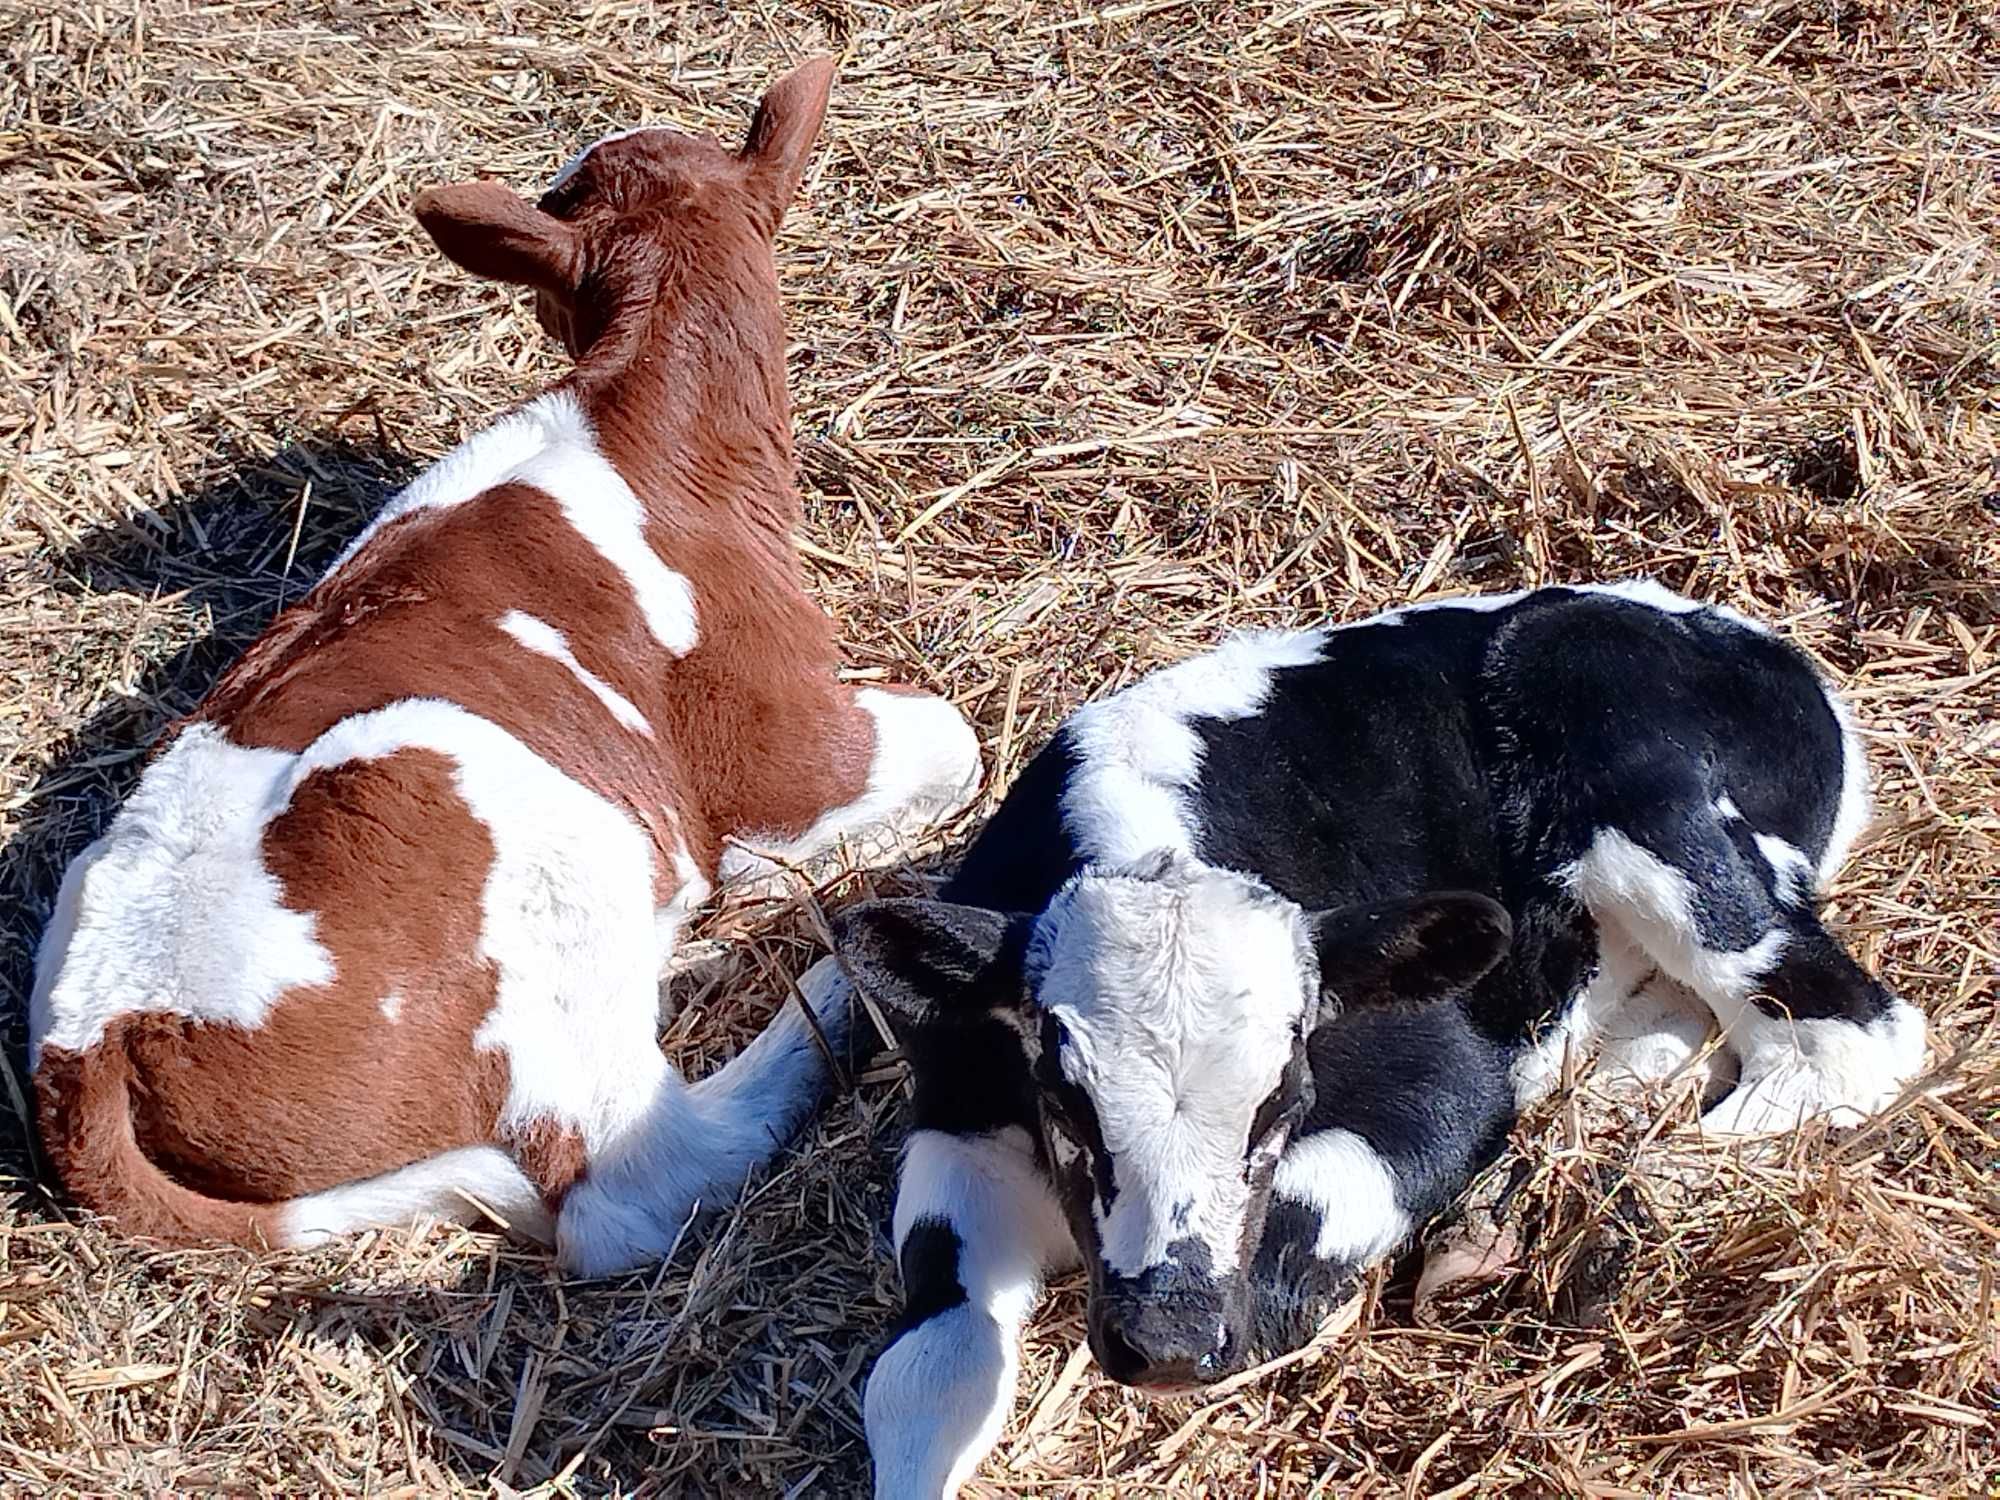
x: 1728, y: 913
x: 1646, y: 1028
x: 977, y: 1228
x: 923, y: 768
x: 1815, y: 1034
x: 1412, y: 1103
x: 690, y: 1148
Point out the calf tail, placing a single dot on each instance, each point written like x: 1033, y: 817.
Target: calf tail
x: 85, y: 1106
x: 84, y: 1103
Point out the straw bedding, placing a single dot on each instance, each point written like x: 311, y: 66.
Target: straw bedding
x: 1114, y: 327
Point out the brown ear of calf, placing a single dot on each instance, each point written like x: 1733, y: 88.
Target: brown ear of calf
x: 492, y: 231
x: 782, y: 133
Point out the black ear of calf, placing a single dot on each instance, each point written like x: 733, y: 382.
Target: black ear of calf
x: 926, y: 962
x: 1410, y: 948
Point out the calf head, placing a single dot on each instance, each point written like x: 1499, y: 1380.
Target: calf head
x: 1163, y: 1008
x: 641, y: 224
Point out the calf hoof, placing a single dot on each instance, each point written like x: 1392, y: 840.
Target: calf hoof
x: 604, y: 1232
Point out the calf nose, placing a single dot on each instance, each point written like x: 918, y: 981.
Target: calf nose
x: 1160, y: 1345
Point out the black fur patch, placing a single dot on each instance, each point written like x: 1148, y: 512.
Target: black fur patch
x: 930, y: 1272
x: 1292, y: 1290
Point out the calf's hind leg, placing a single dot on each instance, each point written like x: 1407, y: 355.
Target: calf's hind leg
x: 1730, y: 915
x: 683, y: 1147
x: 977, y: 1228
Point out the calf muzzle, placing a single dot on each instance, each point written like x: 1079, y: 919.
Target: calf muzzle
x: 1167, y: 1328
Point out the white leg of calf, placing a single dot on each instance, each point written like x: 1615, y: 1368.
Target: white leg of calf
x: 977, y: 1228
x: 1638, y: 896
x: 925, y: 768
x: 1842, y: 1067
x: 760, y: 1098
x: 640, y: 1184
x: 1659, y: 1036
x: 1795, y: 1071
x: 694, y: 1148
x: 1538, y: 1071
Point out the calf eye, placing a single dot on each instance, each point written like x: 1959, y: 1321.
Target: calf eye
x: 1275, y: 1111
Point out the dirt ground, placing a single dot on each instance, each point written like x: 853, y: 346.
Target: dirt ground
x: 1114, y: 326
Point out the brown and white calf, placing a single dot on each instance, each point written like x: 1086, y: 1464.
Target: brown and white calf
x: 379, y: 934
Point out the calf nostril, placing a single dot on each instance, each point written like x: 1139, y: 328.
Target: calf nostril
x: 1115, y: 1352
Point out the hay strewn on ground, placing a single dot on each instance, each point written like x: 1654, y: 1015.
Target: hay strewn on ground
x: 1115, y: 326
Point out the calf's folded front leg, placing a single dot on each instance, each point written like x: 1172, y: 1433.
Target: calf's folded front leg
x: 977, y: 1229
x: 923, y: 766
x: 1412, y: 1103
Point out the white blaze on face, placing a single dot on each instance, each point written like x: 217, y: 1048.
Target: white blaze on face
x: 1179, y: 989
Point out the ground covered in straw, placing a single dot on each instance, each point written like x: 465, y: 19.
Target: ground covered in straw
x: 1114, y: 327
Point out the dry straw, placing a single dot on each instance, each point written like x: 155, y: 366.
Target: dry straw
x: 1114, y: 327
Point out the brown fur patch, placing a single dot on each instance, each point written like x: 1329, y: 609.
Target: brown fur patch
x: 392, y: 864
x: 552, y: 1155
x: 83, y: 1102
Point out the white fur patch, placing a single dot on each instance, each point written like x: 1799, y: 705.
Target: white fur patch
x: 453, y: 1187
x: 173, y: 910
x: 1344, y: 1179
x: 544, y: 639
x: 1851, y: 820
x: 1138, y: 754
x: 1180, y: 992
x: 1791, y: 870
x: 574, y: 165
x: 1537, y: 1070
x: 939, y: 1396
x: 924, y: 768
x: 691, y: 890
x: 549, y: 444
x: 1659, y: 1034
x: 1795, y: 1071
x: 392, y: 1007
x: 1653, y: 903
x: 1656, y: 596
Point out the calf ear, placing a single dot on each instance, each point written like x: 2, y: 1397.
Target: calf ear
x: 782, y: 134
x: 929, y: 962
x: 1410, y: 948
x: 492, y: 231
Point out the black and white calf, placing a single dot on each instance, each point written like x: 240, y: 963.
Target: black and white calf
x: 1253, y: 968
